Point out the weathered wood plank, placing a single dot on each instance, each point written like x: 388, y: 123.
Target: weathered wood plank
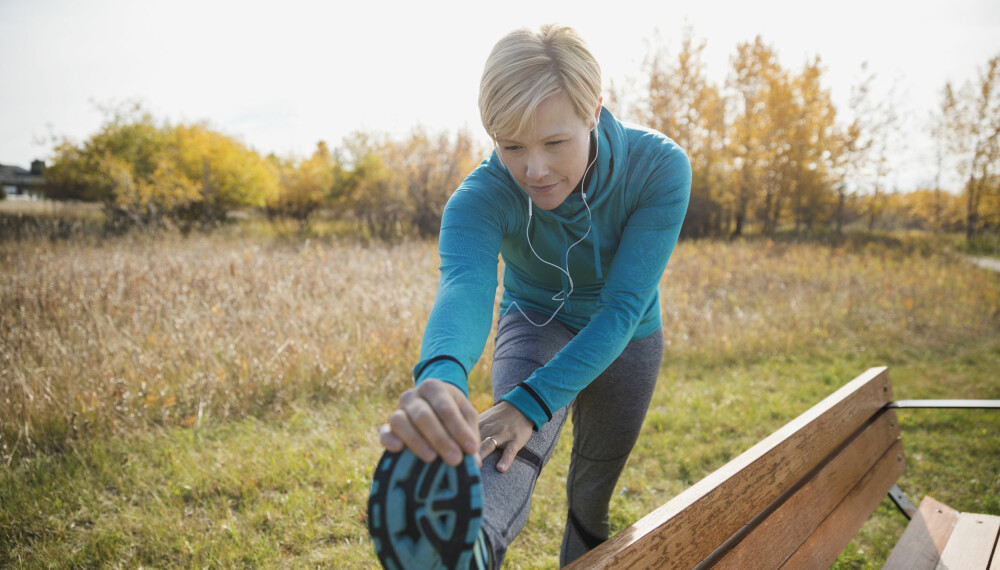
x: 785, y: 529
x: 972, y: 542
x: 692, y: 525
x: 924, y: 539
x: 830, y: 539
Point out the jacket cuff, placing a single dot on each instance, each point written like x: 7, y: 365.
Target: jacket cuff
x: 525, y: 399
x: 445, y: 370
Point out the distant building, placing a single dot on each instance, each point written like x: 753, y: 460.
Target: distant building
x: 19, y: 183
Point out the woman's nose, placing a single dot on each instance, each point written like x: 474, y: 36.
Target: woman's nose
x: 536, y: 168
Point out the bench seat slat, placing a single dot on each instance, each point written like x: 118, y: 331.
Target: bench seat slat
x: 972, y: 543
x: 791, y: 523
x: 695, y: 523
x: 829, y: 540
x: 924, y: 539
x: 995, y: 564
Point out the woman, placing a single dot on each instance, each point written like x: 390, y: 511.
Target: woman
x: 585, y: 212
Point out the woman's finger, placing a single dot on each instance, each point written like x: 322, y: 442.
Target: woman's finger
x: 446, y: 402
x: 509, y: 453
x: 424, y: 417
x: 404, y: 429
x: 487, y: 447
x: 388, y: 439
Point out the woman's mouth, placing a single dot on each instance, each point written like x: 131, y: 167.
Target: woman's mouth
x: 544, y: 189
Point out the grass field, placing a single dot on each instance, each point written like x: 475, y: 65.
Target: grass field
x: 213, y: 401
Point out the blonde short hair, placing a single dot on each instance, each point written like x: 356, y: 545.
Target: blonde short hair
x: 526, y: 66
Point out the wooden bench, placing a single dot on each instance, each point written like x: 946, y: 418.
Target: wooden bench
x: 797, y: 498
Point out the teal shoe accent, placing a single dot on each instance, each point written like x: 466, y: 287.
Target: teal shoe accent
x: 482, y: 558
x: 426, y: 516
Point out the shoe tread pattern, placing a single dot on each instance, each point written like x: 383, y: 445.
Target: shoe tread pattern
x: 424, y: 515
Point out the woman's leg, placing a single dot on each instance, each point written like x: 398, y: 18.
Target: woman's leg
x: 607, y: 417
x: 521, y: 348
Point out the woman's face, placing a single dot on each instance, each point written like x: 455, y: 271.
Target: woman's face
x: 549, y: 159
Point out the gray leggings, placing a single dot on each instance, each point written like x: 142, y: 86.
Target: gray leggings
x: 607, y: 416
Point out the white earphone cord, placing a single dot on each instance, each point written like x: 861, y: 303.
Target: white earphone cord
x: 560, y: 296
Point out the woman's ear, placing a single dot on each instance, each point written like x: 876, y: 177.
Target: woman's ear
x: 597, y: 111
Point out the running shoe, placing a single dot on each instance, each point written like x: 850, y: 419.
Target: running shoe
x: 427, y: 516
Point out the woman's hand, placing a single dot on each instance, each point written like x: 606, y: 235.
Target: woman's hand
x: 504, y: 427
x: 434, y: 419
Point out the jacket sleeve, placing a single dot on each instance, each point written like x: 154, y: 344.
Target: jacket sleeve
x: 632, y: 287
x: 461, y: 318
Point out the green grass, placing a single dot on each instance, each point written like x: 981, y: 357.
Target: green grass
x: 245, y: 494
x: 212, y: 402
x: 292, y: 492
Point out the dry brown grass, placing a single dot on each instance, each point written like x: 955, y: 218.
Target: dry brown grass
x: 51, y: 208
x: 140, y: 332
x: 168, y: 332
x: 746, y: 300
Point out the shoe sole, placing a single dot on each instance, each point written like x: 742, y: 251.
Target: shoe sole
x: 424, y: 515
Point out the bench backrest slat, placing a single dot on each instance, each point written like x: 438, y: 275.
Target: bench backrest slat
x: 829, y: 540
x: 790, y: 524
x: 692, y: 525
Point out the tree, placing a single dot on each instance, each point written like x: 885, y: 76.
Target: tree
x: 971, y: 126
x: 115, y: 167
x: 764, y: 149
x: 144, y: 173
x: 304, y: 187
x: 815, y: 147
x: 430, y: 167
x: 225, y: 173
x: 864, y: 145
x: 368, y: 187
x: 400, y: 187
x: 874, y: 131
x: 932, y: 210
x: 758, y: 130
x: 856, y: 142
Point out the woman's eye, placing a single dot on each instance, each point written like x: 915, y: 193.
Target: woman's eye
x: 555, y: 143
x: 512, y: 148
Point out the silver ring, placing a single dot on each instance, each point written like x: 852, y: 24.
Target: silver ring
x: 495, y: 444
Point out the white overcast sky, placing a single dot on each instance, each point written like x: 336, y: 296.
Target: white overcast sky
x: 281, y: 76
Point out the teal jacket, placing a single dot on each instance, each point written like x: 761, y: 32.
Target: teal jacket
x: 638, y: 196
